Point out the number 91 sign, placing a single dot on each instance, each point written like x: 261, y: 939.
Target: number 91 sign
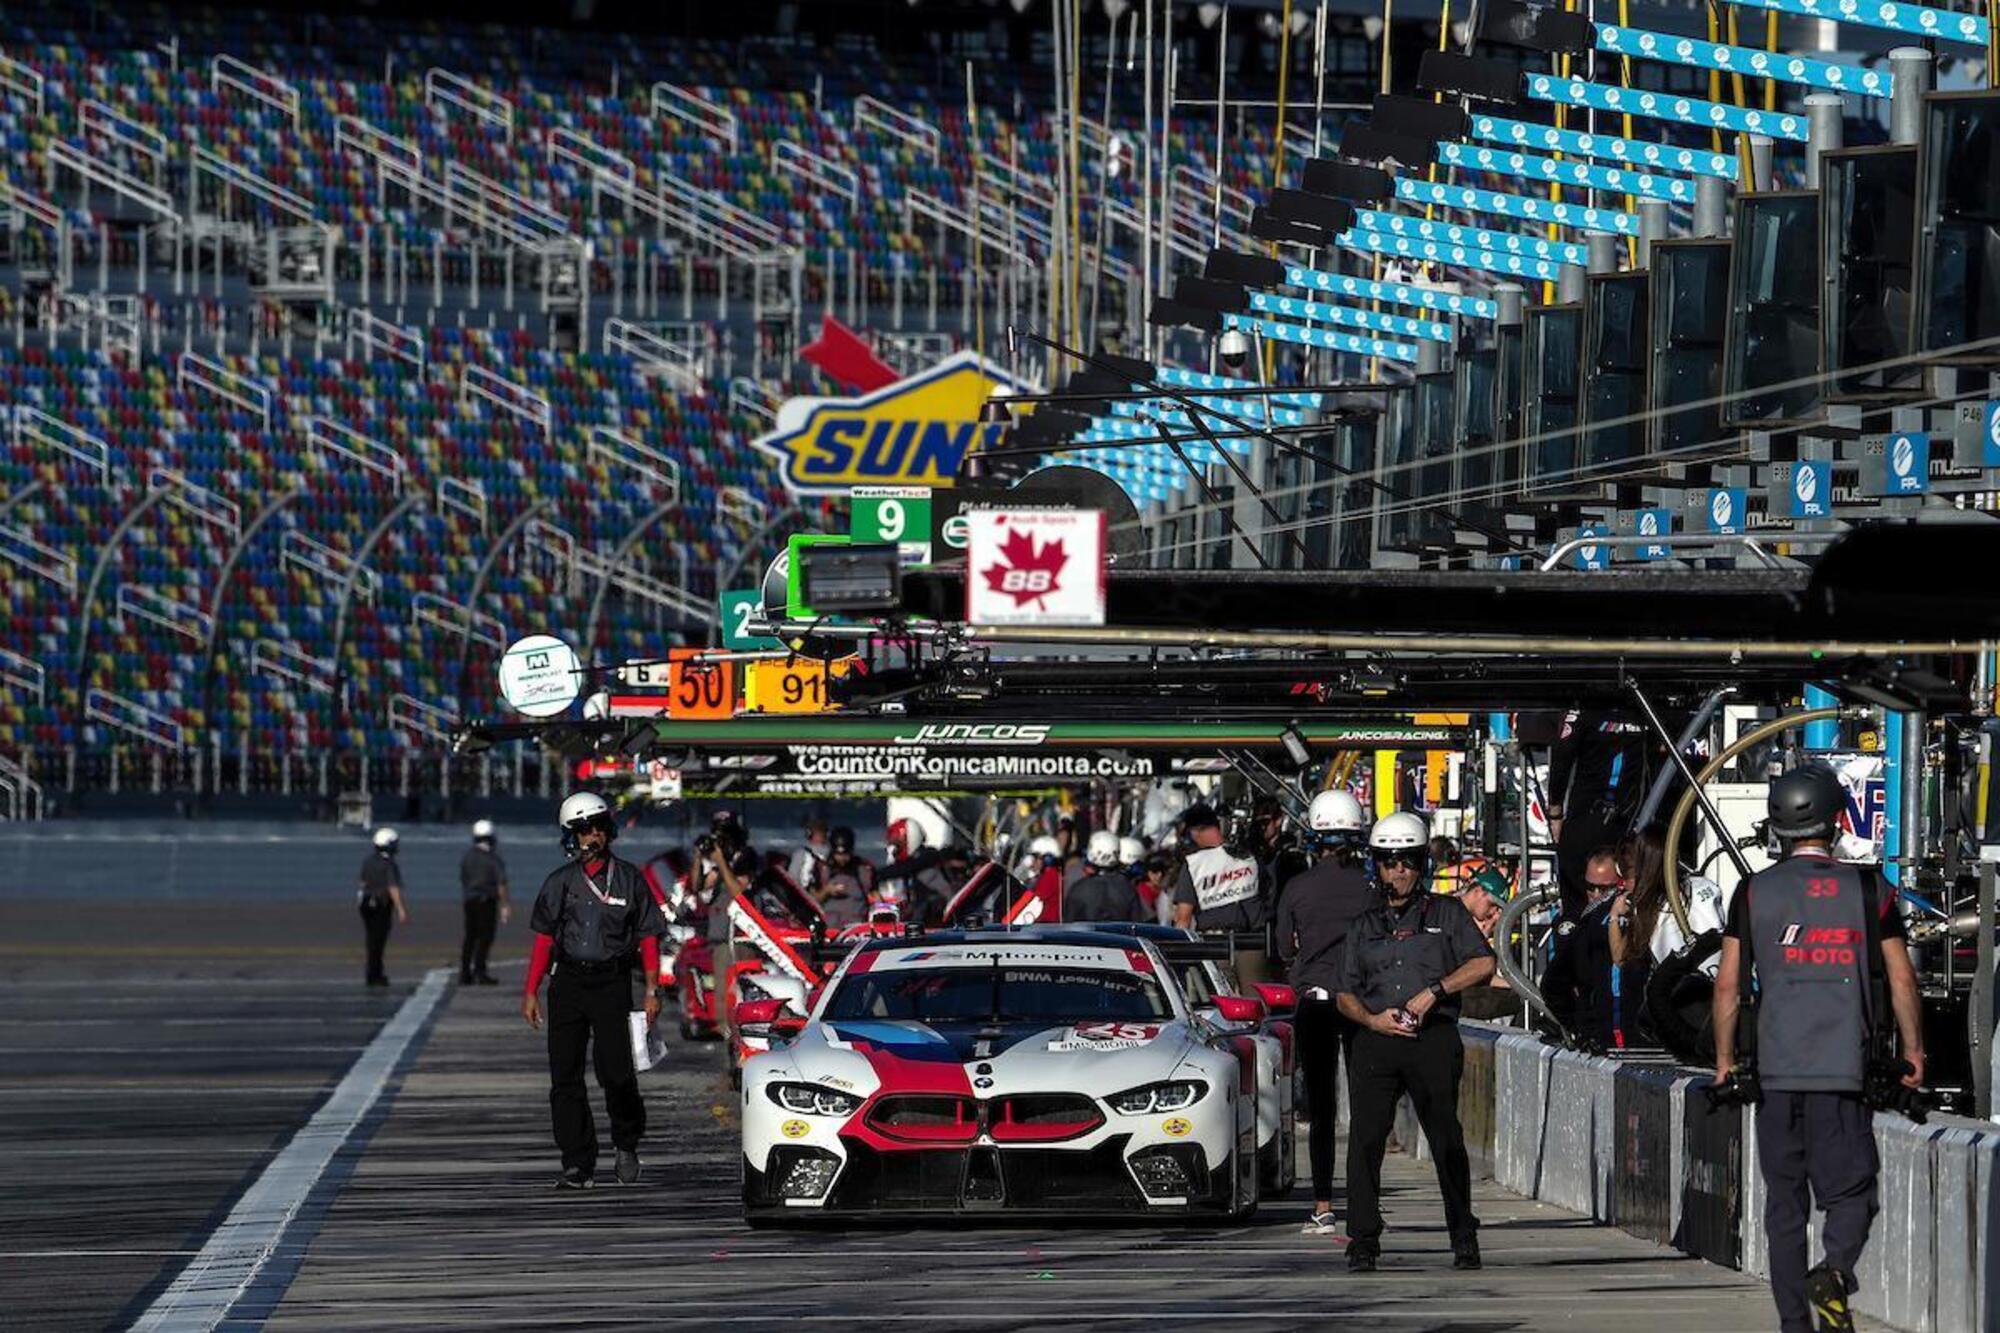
x: 1034, y: 567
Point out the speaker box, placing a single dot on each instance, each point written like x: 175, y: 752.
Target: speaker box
x: 1418, y: 117
x: 1311, y: 209
x: 1267, y: 227
x: 1209, y: 294
x: 1469, y: 76
x: 1372, y: 145
x: 1344, y: 180
x: 1251, y: 270
x: 1169, y: 313
x: 1539, y: 29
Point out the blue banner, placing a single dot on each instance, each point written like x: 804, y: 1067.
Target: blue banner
x: 1524, y: 207
x: 1745, y: 60
x: 1666, y: 106
x: 1634, y: 152
x: 1593, y: 557
x: 1906, y: 459
x: 1194, y: 379
x: 1654, y: 523
x: 1478, y: 238
x: 1989, y: 452
x: 1812, y: 489
x: 1395, y: 293
x: 1402, y: 326
x: 1332, y: 339
x: 1916, y: 20
x: 1460, y: 256
x: 1566, y: 171
x: 1724, y: 510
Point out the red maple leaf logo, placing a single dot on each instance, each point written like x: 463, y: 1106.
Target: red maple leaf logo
x: 1025, y: 573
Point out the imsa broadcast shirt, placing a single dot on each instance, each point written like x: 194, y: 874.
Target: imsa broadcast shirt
x: 1225, y: 890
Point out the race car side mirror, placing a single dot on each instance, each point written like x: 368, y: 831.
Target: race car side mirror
x: 1278, y: 999
x: 1239, y: 1008
x: 787, y: 1025
x: 766, y: 1011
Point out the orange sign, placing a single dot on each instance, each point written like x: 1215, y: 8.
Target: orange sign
x: 798, y: 685
x: 699, y: 691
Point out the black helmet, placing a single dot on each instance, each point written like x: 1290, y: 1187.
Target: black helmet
x: 1805, y: 802
x: 842, y: 840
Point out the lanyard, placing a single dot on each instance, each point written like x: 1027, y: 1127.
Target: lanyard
x: 602, y: 897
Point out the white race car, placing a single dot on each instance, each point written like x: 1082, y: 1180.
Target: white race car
x: 1025, y: 1071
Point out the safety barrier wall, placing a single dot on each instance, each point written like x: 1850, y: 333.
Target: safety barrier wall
x: 1638, y: 1146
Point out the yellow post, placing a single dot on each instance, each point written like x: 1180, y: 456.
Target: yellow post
x: 1385, y: 783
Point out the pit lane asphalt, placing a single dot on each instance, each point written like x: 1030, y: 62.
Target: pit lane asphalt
x: 139, y: 1097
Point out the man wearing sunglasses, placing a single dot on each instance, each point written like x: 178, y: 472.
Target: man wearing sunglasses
x: 1407, y: 962
x: 597, y: 922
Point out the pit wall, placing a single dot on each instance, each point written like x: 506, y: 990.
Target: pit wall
x: 1636, y: 1145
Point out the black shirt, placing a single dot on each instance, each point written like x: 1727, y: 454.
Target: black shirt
x: 597, y: 919
x: 1598, y: 763
x: 1392, y: 954
x: 1315, y: 913
x: 1103, y: 895
x: 481, y: 873
x: 379, y: 874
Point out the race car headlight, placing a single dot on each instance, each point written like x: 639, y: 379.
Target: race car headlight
x: 1174, y: 1096
x: 805, y: 1099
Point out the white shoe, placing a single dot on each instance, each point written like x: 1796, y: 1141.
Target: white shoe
x: 1320, y: 1224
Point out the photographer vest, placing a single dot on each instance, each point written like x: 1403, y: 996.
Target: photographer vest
x: 1813, y: 950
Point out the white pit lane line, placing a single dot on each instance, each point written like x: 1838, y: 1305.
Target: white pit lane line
x: 237, y: 1250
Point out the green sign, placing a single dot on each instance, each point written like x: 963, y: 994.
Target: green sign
x: 738, y: 608
x: 899, y: 514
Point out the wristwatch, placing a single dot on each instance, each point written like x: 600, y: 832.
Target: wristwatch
x: 1437, y: 989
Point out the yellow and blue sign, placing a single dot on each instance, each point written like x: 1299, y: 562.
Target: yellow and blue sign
x: 914, y: 432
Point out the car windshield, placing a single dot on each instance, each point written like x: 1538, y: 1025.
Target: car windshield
x: 1009, y: 993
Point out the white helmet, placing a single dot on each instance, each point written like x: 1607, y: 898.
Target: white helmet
x: 1102, y: 849
x: 1399, y: 832
x: 385, y: 838
x: 581, y: 808
x: 1334, y: 812
x: 1045, y: 847
x: 482, y: 830
x: 1131, y: 851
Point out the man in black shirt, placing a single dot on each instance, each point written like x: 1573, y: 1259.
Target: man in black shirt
x: 1828, y: 950
x: 1402, y: 969
x: 845, y: 882
x: 596, y: 920
x: 482, y: 879
x: 1315, y: 911
x: 381, y: 899
x: 1597, y: 779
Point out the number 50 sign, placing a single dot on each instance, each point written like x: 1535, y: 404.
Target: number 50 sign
x: 1034, y: 567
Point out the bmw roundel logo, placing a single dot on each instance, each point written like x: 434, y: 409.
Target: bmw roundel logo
x: 1902, y: 456
x: 1720, y: 509
x: 1805, y: 483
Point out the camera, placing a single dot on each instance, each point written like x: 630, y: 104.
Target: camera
x: 1738, y: 1088
x: 1883, y: 1089
x: 705, y: 844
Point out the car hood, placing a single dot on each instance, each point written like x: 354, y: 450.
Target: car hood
x: 869, y: 1055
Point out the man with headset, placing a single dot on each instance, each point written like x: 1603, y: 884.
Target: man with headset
x: 1824, y: 941
x: 596, y: 921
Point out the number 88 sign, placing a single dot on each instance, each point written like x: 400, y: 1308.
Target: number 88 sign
x: 1034, y: 567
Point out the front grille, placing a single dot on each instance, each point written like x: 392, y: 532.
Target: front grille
x: 918, y: 1118
x: 1042, y: 1117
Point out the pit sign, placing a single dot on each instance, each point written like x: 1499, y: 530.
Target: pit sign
x: 898, y: 514
x: 1035, y: 567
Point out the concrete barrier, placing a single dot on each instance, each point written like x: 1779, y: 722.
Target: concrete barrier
x: 1898, y: 1270
x: 1645, y: 1151
x: 1476, y: 1097
x: 1521, y: 1091
x: 1570, y: 1169
x: 1968, y: 1263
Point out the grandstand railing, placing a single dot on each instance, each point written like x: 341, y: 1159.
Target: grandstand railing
x: 236, y: 175
x: 467, y: 497
x: 129, y: 715
x: 517, y: 399
x: 325, y: 436
x: 992, y: 233
x: 650, y: 351
x: 20, y: 795
x: 62, y: 154
x: 197, y: 500
x: 25, y: 674
x: 32, y: 425
x: 24, y: 81
x: 587, y: 155
x: 377, y: 334
x: 157, y: 608
x: 690, y: 107
x: 193, y: 370
x: 735, y: 503
x: 427, y: 608
x: 623, y: 451
x: 19, y: 547
x: 873, y: 114
x: 261, y: 84
x: 460, y: 178
x: 298, y: 551
x: 96, y: 120
x: 647, y: 587
x: 558, y: 548
x: 750, y: 397
x: 823, y: 172
x: 286, y: 661
x: 424, y: 721
x: 442, y: 87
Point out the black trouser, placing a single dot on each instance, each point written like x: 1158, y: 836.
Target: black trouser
x: 377, y: 916
x: 1323, y: 1037
x: 482, y: 916
x: 1814, y: 1146
x: 590, y: 1008
x: 1380, y: 1069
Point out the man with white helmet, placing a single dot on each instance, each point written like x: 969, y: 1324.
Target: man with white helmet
x: 1405, y: 964
x: 1102, y: 892
x: 595, y: 920
x: 381, y: 899
x: 1317, y: 909
x: 482, y: 880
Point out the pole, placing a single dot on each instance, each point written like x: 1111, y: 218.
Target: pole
x: 1911, y: 66
x: 1823, y: 132
x: 1711, y: 206
x: 1694, y: 784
